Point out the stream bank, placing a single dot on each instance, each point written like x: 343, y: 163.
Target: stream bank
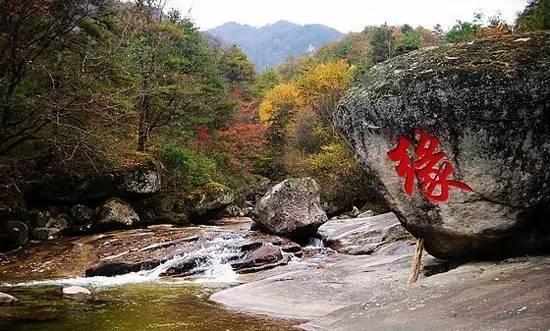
x: 311, y: 287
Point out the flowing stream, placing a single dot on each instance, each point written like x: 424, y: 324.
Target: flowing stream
x: 139, y: 300
x: 213, y: 267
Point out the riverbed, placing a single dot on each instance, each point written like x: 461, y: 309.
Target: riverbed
x: 316, y: 288
x: 140, y: 300
x: 147, y: 306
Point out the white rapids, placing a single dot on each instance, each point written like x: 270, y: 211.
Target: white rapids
x: 213, y: 266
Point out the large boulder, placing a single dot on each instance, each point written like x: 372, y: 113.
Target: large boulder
x: 144, y: 180
x: 82, y: 214
x: 208, y: 201
x: 116, y: 213
x: 487, y: 103
x: 291, y: 208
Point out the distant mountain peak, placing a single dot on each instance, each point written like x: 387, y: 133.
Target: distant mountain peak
x: 284, y: 23
x: 269, y: 45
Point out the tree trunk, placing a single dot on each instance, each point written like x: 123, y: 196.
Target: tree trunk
x: 417, y: 261
x: 143, y: 126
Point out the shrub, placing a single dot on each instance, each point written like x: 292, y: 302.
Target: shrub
x: 196, y: 168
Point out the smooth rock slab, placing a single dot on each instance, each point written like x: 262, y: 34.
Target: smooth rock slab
x: 362, y: 235
x: 312, y: 290
x: 507, y: 295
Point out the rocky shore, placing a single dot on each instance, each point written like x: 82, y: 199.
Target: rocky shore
x: 318, y: 288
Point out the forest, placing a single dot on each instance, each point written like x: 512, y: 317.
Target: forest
x: 95, y: 86
x: 394, y: 178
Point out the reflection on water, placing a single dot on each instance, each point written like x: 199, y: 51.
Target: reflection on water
x: 150, y: 306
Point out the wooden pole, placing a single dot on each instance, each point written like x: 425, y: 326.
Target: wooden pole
x: 417, y: 261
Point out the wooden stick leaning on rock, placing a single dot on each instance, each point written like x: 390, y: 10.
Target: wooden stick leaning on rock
x: 417, y: 261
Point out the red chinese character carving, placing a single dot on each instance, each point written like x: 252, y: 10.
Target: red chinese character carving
x: 424, y: 167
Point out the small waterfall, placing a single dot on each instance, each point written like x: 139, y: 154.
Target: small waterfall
x: 315, y: 242
x: 213, y: 265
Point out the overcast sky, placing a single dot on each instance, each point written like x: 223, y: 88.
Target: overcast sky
x: 343, y: 15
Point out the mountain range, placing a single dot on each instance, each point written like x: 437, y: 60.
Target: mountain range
x: 269, y: 45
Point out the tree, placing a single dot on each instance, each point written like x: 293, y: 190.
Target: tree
x: 354, y: 47
x: 438, y: 33
x: 322, y: 86
x: 31, y: 30
x: 410, y: 40
x: 496, y: 27
x: 382, y: 42
x: 267, y: 80
x: 292, y: 67
x: 175, y: 78
x: 236, y: 67
x: 461, y: 32
x: 243, y: 137
x: 277, y: 110
x: 536, y: 16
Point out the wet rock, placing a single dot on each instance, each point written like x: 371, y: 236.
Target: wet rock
x: 110, y: 269
x: 76, y: 293
x: 357, y: 236
x: 15, y: 234
x: 262, y: 255
x: 60, y: 222
x: 7, y: 300
x: 80, y: 230
x: 487, y: 103
x: 265, y: 266
x: 44, y: 233
x: 291, y: 208
x: 116, y: 213
x: 209, y: 201
x: 187, y: 267
x: 142, y: 181
x: 82, y: 214
x: 189, y: 250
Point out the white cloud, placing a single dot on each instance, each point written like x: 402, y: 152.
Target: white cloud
x: 344, y: 15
